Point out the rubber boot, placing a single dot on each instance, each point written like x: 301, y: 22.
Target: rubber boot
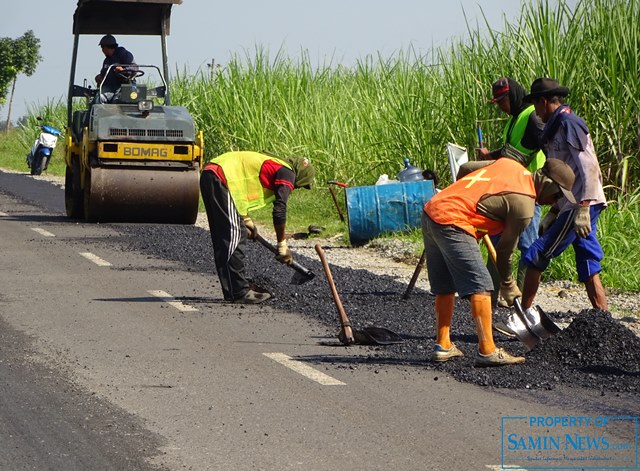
x: 596, y: 293
x: 531, y: 283
x: 481, y: 312
x: 444, y: 314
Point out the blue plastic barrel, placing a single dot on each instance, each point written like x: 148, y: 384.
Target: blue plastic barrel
x: 395, y: 207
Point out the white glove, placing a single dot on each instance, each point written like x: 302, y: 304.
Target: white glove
x: 546, y: 222
x: 582, y: 222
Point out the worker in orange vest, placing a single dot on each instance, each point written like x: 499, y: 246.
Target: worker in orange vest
x: 498, y: 198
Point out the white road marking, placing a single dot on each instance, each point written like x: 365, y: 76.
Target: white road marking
x: 43, y: 232
x: 497, y: 467
x: 95, y: 259
x: 167, y: 298
x: 304, y: 370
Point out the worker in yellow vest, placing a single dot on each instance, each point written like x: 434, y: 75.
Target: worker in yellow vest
x: 498, y: 198
x: 521, y: 142
x: 232, y: 185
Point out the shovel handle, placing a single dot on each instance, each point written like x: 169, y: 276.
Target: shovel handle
x: 344, y: 320
x: 335, y: 202
x: 295, y: 265
x: 491, y: 249
x: 416, y: 273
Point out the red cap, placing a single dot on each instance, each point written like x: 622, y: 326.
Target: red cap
x: 500, y: 89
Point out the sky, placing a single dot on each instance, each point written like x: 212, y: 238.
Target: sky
x: 203, y: 31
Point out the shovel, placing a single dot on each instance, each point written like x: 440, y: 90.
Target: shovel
x: 302, y: 274
x: 416, y: 274
x: 348, y: 335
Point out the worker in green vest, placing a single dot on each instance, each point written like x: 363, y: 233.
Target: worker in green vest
x: 232, y: 185
x: 521, y: 142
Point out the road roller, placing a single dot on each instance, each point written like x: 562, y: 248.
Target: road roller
x: 130, y: 155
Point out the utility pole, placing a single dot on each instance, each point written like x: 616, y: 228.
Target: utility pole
x: 212, y: 66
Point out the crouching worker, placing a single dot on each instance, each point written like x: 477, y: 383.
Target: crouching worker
x: 498, y: 198
x: 233, y: 184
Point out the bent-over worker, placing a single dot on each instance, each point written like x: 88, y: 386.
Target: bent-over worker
x: 233, y: 184
x: 496, y: 199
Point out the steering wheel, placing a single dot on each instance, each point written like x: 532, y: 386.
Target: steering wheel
x: 129, y: 75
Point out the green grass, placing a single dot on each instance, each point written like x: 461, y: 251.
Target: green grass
x: 356, y: 123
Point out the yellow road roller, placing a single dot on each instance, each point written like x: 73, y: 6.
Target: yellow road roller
x: 130, y: 155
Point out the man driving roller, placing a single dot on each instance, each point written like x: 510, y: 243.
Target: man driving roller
x: 114, y: 54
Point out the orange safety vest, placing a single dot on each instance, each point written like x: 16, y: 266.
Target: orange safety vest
x: 457, y: 204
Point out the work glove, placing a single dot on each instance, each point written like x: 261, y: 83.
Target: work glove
x: 510, y: 291
x: 482, y: 153
x: 284, y: 254
x: 582, y: 222
x: 546, y: 222
x: 251, y: 227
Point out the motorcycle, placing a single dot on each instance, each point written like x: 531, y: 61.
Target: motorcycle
x: 40, y: 154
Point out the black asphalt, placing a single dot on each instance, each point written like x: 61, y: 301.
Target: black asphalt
x: 48, y: 423
x: 597, y: 353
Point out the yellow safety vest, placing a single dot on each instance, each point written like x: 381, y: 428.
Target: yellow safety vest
x: 242, y: 172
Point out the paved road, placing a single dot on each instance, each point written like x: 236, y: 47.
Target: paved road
x: 100, y: 364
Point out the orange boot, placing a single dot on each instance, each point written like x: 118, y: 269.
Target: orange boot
x: 488, y: 354
x: 444, y: 349
x: 481, y: 312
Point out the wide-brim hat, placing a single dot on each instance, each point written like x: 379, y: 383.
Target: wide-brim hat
x: 562, y: 175
x: 545, y: 87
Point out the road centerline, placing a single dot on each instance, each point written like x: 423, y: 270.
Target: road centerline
x: 42, y: 232
x: 304, y: 369
x: 167, y: 298
x: 95, y: 259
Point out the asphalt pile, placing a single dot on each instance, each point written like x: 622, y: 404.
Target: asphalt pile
x: 595, y: 351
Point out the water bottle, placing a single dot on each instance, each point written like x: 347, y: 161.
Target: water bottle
x: 410, y: 173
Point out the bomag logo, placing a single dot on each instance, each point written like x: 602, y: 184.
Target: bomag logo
x: 130, y: 151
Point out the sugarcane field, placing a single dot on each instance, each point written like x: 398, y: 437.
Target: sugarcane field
x: 298, y: 236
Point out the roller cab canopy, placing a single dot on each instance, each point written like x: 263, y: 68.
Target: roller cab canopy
x: 137, y: 17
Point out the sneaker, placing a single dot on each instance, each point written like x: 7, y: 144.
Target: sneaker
x: 440, y: 354
x: 498, y: 358
x: 253, y: 297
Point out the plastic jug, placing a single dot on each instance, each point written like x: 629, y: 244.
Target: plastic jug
x: 410, y: 173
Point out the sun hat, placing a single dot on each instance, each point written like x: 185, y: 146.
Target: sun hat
x: 561, y: 174
x: 545, y: 87
x: 500, y: 89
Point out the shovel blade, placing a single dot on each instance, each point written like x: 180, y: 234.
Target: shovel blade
x: 299, y: 278
x: 376, y: 336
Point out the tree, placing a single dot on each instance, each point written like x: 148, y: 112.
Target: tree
x: 19, y: 56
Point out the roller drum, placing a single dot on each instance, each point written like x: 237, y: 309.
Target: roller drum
x: 142, y: 195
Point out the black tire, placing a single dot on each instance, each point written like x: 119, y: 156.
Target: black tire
x: 73, y: 197
x: 37, y: 163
